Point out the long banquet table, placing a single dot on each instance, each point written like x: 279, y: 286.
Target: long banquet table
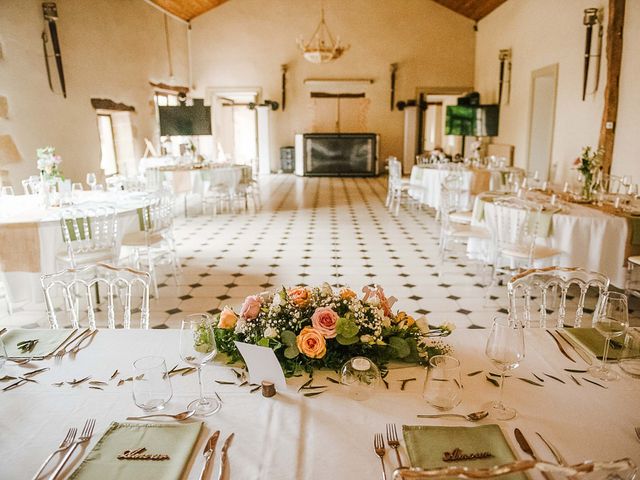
x: 294, y: 437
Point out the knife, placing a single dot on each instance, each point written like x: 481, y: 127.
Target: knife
x: 526, y: 448
x: 223, y: 456
x: 208, y: 451
x: 562, y: 350
x: 577, y: 348
x: 556, y: 453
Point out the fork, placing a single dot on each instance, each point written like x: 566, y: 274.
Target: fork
x: 638, y: 432
x: 392, y: 440
x: 66, y: 443
x: 85, y: 436
x: 378, y: 447
x: 67, y: 348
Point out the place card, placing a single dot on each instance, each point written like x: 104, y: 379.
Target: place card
x: 262, y: 364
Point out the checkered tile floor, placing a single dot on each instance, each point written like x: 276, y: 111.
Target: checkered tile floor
x: 312, y: 230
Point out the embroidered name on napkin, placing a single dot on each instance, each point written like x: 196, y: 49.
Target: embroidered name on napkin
x: 457, y: 455
x: 138, y: 454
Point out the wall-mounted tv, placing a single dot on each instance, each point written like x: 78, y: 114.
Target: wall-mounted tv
x: 185, y: 120
x: 473, y: 121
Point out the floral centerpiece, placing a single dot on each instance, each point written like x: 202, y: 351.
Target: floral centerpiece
x: 310, y: 328
x: 49, y: 163
x: 588, y: 164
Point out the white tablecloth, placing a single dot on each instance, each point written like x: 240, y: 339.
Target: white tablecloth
x: 325, y: 437
x: 589, y: 238
x: 25, y: 285
x: 424, y: 184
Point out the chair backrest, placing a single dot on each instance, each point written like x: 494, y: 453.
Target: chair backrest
x: 30, y: 185
x: 157, y: 216
x: 83, y: 291
x: 89, y: 229
x: 513, y: 223
x: 395, y: 168
x: 543, y: 297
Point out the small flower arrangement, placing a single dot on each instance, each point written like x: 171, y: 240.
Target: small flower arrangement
x: 310, y: 328
x: 49, y: 163
x: 588, y: 164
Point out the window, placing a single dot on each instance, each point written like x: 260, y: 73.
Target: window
x: 108, y: 162
x: 117, y: 150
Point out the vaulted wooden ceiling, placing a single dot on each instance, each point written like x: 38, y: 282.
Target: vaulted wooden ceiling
x: 473, y: 9
x: 189, y: 9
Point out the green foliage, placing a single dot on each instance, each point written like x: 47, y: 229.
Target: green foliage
x: 400, y: 346
x: 346, y: 327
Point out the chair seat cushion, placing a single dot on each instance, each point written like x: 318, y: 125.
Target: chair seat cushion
x: 635, y: 259
x: 461, y: 217
x: 522, y: 251
x: 464, y: 231
x: 84, y: 258
x: 139, y: 239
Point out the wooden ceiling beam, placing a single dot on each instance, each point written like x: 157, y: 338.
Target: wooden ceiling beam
x: 473, y: 9
x: 186, y: 10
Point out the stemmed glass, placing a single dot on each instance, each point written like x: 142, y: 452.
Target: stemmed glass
x: 198, y: 347
x: 611, y: 319
x: 91, y: 180
x: 505, y: 348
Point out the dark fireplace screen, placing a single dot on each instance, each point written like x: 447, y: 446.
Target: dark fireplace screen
x: 340, y: 154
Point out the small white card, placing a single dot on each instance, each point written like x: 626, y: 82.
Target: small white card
x: 262, y: 364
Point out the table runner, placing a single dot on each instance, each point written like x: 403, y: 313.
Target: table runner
x: 19, y: 247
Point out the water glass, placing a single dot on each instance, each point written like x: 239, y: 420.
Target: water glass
x: 443, y: 386
x: 630, y: 356
x: 361, y: 377
x: 91, y: 180
x: 611, y: 319
x: 151, y: 384
x: 8, y: 190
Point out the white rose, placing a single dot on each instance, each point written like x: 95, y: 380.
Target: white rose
x: 423, y: 325
x: 326, y: 289
x: 449, y: 326
x: 386, y: 322
x: 270, y: 332
x: 366, y: 338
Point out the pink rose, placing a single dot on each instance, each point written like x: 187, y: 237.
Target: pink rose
x: 251, y: 307
x: 324, y: 320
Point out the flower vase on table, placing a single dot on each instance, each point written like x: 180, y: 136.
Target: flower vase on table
x: 49, y: 166
x: 588, y: 164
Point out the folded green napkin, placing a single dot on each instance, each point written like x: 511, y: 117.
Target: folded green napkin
x: 48, y: 341
x: 176, y: 441
x: 593, y: 341
x: 427, y: 444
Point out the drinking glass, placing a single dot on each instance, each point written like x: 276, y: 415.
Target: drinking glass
x: 630, y: 356
x: 361, y: 376
x: 151, y: 384
x: 611, y: 319
x: 8, y: 190
x: 443, y: 387
x: 91, y: 180
x: 505, y: 348
x: 198, y: 347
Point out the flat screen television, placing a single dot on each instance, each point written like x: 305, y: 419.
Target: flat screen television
x: 346, y: 154
x: 472, y: 120
x: 185, y: 120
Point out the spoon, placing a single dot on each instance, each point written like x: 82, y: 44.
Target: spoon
x: 178, y: 416
x: 472, y: 417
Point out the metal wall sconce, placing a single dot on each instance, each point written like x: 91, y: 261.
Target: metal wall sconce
x: 393, y: 69
x: 283, y: 96
x: 505, y: 62
x: 592, y: 17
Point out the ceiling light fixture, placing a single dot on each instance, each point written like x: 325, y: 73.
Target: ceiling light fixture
x: 322, y: 48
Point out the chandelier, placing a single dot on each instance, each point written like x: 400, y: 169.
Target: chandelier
x: 322, y: 47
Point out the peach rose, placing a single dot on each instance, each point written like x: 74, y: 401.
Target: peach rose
x: 299, y: 296
x: 228, y: 318
x: 347, y: 294
x: 251, y: 307
x: 311, y: 343
x: 324, y: 320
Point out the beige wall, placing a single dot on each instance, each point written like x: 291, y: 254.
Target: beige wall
x: 542, y: 33
x: 110, y: 49
x: 244, y: 42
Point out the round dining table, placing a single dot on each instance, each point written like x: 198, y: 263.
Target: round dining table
x: 31, y: 236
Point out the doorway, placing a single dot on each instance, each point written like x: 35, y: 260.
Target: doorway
x: 542, y: 116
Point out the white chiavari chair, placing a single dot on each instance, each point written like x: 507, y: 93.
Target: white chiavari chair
x: 154, y: 242
x: 90, y: 236
x: 398, y: 187
x: 554, y: 297
x: 632, y: 283
x: 97, y: 295
x: 31, y: 184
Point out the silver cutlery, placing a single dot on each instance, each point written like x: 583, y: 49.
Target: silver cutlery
x: 472, y: 417
x: 378, y: 447
x: 66, y: 443
x: 67, y: 347
x: 84, y: 437
x: 556, y: 454
x: 577, y: 348
x: 223, y: 456
x: 637, y: 429
x: 178, y: 416
x: 3, y: 331
x: 560, y: 347
x: 78, y: 345
x: 392, y: 440
x: 208, y: 452
x: 526, y: 448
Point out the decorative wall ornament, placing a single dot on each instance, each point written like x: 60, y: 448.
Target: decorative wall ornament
x: 592, y: 16
x: 50, y: 12
x: 393, y: 68
x: 284, y: 86
x: 322, y: 47
x: 505, y: 61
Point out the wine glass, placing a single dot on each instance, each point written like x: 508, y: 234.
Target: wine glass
x: 611, y: 319
x: 198, y: 347
x: 505, y: 348
x: 91, y: 180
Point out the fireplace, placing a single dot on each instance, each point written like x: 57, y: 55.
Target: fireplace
x: 337, y: 154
